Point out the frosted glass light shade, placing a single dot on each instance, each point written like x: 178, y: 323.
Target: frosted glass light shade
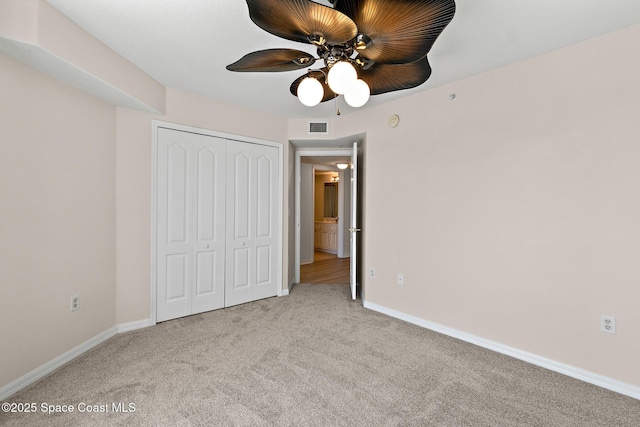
x: 310, y: 91
x: 341, y: 76
x: 358, y: 94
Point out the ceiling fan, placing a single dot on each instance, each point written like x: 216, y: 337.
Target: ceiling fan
x: 369, y: 47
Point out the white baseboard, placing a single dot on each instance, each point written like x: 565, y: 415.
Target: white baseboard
x: 571, y: 371
x: 40, y: 372
x: 285, y: 292
x: 48, y: 367
x: 132, y: 326
x: 580, y: 374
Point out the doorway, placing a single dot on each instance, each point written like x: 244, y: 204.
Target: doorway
x: 325, y: 210
x: 350, y: 231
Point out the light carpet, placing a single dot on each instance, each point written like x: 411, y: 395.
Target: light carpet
x: 314, y: 358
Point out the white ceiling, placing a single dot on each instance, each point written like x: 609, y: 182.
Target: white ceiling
x: 187, y: 44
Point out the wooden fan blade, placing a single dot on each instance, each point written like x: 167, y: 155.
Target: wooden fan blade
x: 383, y: 78
x: 297, y: 19
x: 273, y: 60
x: 401, y: 31
x: 320, y: 76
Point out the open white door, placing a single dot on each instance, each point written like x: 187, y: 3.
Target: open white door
x: 354, y: 219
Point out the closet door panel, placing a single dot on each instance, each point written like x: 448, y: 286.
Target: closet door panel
x: 174, y: 256
x: 217, y: 235
x: 265, y: 187
x: 241, y: 261
x: 240, y: 223
x: 267, y: 227
x: 190, y: 223
x: 264, y: 263
x: 207, y: 216
x: 205, y: 273
x: 209, y: 211
x: 176, y: 289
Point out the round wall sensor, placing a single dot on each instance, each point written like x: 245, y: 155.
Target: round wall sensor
x: 394, y: 120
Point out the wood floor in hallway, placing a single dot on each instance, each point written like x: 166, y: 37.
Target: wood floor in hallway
x: 326, y: 268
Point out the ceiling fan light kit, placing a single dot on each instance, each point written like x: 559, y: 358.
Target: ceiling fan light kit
x: 369, y: 47
x: 358, y: 94
x: 341, y: 77
x: 310, y: 91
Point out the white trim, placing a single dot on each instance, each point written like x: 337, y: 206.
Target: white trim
x: 298, y: 155
x: 580, y: 374
x: 47, y: 368
x: 202, y: 131
x: 552, y: 365
x: 50, y: 366
x: 134, y: 326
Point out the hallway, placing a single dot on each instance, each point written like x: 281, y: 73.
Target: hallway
x: 327, y: 269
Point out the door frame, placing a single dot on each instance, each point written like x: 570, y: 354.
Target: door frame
x: 299, y: 153
x: 283, y: 289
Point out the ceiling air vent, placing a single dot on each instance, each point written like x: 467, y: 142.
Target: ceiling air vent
x: 319, y: 127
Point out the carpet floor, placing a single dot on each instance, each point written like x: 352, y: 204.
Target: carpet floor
x: 314, y: 358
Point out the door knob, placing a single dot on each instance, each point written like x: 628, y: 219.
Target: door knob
x: 206, y: 246
x: 354, y: 230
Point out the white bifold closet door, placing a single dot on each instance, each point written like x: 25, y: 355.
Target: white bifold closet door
x: 252, y: 224
x: 216, y: 238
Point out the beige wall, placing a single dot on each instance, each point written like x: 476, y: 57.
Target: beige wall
x: 76, y: 209
x: 134, y: 185
x: 513, y: 210
x: 36, y: 33
x: 57, y: 226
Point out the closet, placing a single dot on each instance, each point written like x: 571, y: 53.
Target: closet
x: 217, y: 222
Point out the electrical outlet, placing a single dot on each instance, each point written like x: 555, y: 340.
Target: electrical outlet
x: 372, y: 273
x: 400, y: 279
x: 608, y: 324
x: 75, y: 302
